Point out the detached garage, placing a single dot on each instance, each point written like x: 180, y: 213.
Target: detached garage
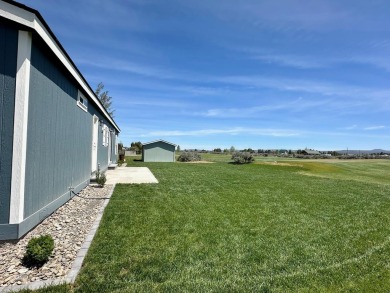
x: 158, y: 151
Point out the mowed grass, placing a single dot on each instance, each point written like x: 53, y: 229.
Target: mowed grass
x: 222, y: 227
x: 374, y: 171
x: 254, y: 228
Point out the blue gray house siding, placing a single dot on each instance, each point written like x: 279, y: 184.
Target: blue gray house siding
x: 58, y: 145
x: 58, y: 141
x: 59, y: 134
x: 8, y: 54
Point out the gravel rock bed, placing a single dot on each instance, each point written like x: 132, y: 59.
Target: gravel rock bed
x: 68, y: 226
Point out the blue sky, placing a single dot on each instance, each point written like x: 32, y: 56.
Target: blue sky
x: 260, y: 74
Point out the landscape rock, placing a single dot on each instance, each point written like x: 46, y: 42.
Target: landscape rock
x: 68, y: 226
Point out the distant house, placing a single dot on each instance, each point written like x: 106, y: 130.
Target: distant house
x: 158, y: 151
x: 130, y: 153
x: 310, y: 152
x: 54, y: 132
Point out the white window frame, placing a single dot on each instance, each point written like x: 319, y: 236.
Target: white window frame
x: 106, y: 133
x: 82, y: 101
x: 116, y: 144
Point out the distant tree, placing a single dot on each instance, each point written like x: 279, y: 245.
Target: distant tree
x: 248, y: 151
x: 232, y: 149
x: 242, y: 158
x: 178, y: 148
x: 136, y: 146
x: 217, y: 150
x: 104, y: 98
x: 225, y: 150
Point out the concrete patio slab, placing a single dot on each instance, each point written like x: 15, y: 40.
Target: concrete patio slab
x: 132, y: 175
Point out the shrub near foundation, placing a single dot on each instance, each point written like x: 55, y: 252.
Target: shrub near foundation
x: 38, y: 250
x: 101, y: 179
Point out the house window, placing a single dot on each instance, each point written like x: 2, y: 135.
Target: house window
x: 82, y: 101
x: 116, y: 144
x: 106, y: 133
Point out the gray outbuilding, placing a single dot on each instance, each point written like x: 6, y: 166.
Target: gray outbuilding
x: 158, y: 151
x: 54, y: 132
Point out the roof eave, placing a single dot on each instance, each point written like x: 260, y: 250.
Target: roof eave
x: 159, y: 140
x: 32, y: 19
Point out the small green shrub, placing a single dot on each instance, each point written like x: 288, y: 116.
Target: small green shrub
x: 38, y: 250
x: 120, y: 163
x: 189, y: 157
x: 242, y: 158
x: 101, y: 178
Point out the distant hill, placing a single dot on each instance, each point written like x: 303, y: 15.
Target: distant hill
x: 356, y: 152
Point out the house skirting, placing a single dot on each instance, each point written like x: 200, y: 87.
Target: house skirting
x: 16, y: 231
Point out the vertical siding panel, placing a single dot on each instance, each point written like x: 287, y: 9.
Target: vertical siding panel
x: 8, y: 58
x: 60, y: 147
x: 59, y: 134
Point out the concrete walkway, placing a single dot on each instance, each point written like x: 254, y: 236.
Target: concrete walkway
x: 135, y: 175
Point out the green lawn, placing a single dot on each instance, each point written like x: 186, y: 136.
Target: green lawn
x: 374, y: 171
x: 254, y: 228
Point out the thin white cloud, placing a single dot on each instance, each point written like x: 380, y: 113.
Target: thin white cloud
x: 374, y: 127
x: 219, y: 85
x: 310, y: 86
x: 350, y: 127
x: 308, y: 62
x: 292, y: 61
x: 130, y: 67
x: 282, y: 59
x: 297, y: 105
x: 289, y: 17
x: 228, y: 131
x: 238, y: 112
x: 377, y: 60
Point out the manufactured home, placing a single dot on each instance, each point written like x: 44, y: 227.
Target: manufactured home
x: 54, y: 132
x: 158, y: 151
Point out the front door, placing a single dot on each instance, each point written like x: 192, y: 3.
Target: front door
x: 95, y: 135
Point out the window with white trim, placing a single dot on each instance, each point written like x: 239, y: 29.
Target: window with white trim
x: 116, y: 144
x: 82, y: 101
x: 106, y: 133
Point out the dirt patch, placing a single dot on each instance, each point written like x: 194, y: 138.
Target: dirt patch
x: 200, y: 162
x: 275, y: 163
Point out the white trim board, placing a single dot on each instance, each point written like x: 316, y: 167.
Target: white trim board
x: 20, y: 128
